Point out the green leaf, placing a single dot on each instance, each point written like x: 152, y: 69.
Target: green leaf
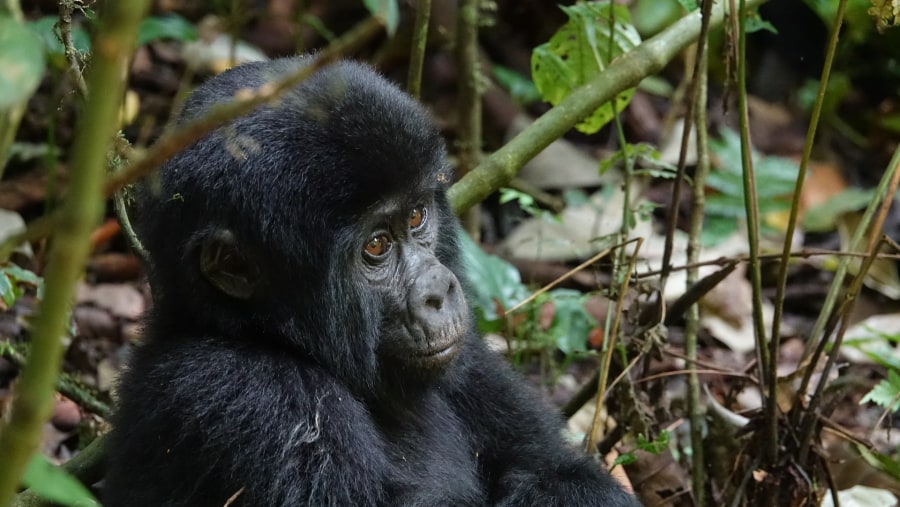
x: 823, y: 217
x: 645, y: 156
x: 8, y: 292
x: 879, y: 461
x: 12, y: 278
x: 54, y: 484
x: 883, y: 356
x: 857, y: 25
x: 316, y: 24
x: 886, y: 393
x: 717, y: 229
x: 655, y: 446
x: 775, y: 175
x: 520, y: 87
x: 775, y: 180
x: 656, y: 85
x: 20, y: 275
x: 575, y: 197
x: 21, y: 61
x: 689, y: 5
x: 571, y: 322
x: 837, y: 89
x: 493, y: 282
x: 45, y: 29
x: 525, y: 201
x: 595, y: 34
x: 171, y: 26
x: 652, y: 16
x: 758, y: 24
x: 388, y: 10
x: 625, y: 459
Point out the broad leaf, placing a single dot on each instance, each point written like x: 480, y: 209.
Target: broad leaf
x: 595, y: 34
x: 22, y: 61
x: 53, y: 483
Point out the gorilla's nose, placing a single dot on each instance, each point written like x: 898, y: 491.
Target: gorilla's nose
x: 436, y: 299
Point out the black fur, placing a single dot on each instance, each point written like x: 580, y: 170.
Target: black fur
x: 320, y: 388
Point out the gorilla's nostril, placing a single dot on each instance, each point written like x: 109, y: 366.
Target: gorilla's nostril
x: 436, y: 302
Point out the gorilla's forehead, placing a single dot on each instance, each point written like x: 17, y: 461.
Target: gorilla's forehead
x: 352, y: 137
x: 339, y: 143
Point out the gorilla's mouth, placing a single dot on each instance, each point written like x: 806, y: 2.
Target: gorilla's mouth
x: 430, y: 349
x: 441, y: 352
x: 436, y: 354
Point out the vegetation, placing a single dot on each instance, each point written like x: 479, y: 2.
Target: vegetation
x: 642, y: 342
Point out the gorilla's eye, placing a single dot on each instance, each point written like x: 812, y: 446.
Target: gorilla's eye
x: 417, y: 217
x: 378, y: 245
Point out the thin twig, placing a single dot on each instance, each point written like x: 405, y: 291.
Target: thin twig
x: 72, y: 58
x: 609, y: 344
x: 696, y: 409
x: 751, y: 209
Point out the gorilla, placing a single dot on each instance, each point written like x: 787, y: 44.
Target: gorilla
x: 309, y: 342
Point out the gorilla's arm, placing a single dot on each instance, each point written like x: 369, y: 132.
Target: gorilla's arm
x: 209, y: 418
x: 524, y: 459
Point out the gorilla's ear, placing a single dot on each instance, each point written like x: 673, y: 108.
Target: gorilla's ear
x: 225, y: 266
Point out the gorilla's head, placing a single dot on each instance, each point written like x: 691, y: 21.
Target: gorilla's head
x: 317, y: 223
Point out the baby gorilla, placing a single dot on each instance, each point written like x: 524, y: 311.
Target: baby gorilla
x: 310, y: 341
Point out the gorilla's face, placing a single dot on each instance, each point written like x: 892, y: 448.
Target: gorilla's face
x: 424, y: 312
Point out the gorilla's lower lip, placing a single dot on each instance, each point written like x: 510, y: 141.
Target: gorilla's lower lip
x: 443, y: 351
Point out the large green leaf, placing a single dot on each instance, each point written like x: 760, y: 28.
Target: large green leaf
x: 775, y: 181
x: 493, y: 282
x: 595, y: 34
x: 21, y: 62
x: 571, y: 321
x: 171, y: 26
x: 45, y: 29
x: 54, y: 484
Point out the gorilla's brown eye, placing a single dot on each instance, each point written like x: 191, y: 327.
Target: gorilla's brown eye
x: 378, y: 245
x: 416, y: 217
